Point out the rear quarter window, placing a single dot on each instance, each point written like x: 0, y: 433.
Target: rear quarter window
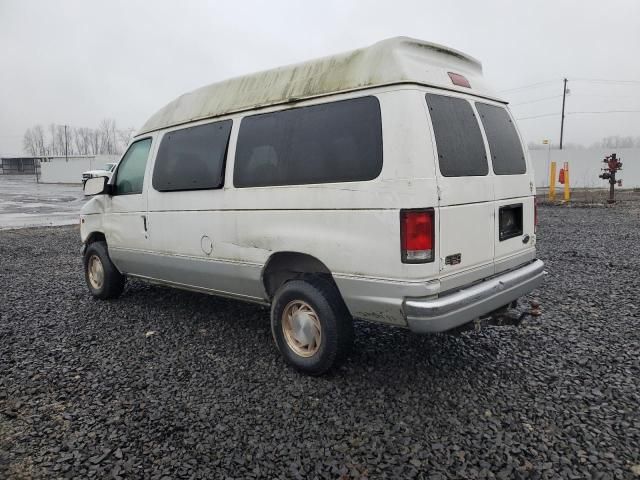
x: 192, y: 158
x: 506, y: 150
x: 333, y: 142
x: 461, y: 151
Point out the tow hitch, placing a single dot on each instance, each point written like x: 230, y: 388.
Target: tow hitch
x: 501, y: 318
x: 506, y: 318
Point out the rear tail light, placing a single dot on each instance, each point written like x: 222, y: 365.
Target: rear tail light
x: 535, y: 214
x: 417, y: 240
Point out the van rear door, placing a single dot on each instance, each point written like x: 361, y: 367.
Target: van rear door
x: 465, y: 191
x: 513, y: 187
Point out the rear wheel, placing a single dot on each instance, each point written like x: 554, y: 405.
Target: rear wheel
x: 102, y: 277
x: 311, y: 325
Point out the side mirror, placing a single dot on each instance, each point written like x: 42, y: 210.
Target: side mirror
x: 96, y: 186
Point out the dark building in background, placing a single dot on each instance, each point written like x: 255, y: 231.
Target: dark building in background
x: 19, y: 165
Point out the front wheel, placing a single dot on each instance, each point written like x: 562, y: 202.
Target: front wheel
x: 102, y: 277
x: 311, y: 325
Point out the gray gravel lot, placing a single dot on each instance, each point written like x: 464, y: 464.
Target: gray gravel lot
x: 87, y: 391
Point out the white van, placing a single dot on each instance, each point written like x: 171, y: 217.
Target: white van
x: 388, y: 184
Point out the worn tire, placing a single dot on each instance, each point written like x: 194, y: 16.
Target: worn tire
x: 336, y: 324
x: 113, y: 281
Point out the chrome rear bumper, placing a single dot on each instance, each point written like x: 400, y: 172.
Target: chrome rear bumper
x: 439, y: 314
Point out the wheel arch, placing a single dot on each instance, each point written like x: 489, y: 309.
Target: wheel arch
x: 284, y: 266
x: 96, y: 236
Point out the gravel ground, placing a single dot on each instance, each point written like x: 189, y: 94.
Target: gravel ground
x: 164, y: 383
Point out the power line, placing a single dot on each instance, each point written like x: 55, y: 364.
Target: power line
x: 532, y: 85
x: 573, y: 94
x: 539, y: 116
x: 599, y: 95
x: 578, y: 113
x: 605, y: 111
x: 589, y: 80
x: 604, y: 80
x: 535, y: 101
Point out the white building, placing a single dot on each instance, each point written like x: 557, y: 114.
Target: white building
x: 60, y: 169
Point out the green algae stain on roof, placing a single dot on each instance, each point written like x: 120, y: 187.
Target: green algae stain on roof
x: 392, y: 61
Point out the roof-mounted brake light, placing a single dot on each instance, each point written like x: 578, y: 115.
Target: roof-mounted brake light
x: 459, y: 80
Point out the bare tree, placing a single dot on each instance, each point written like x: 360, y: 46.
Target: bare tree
x: 61, y: 140
x: 39, y: 140
x: 87, y: 137
x: 626, y: 142
x: 108, y: 142
x: 78, y: 141
x: 124, y: 136
x: 94, y: 141
x: 83, y: 141
x: 106, y: 139
x: 28, y: 143
x: 53, y: 146
x: 613, y: 141
x: 71, y: 139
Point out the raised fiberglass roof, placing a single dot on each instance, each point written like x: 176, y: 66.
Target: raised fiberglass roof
x: 392, y: 61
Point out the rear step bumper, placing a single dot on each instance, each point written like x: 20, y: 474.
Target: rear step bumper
x: 430, y: 315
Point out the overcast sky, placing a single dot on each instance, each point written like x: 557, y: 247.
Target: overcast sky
x: 77, y: 62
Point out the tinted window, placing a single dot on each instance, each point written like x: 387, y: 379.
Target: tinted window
x: 459, y: 142
x: 505, y: 147
x: 130, y: 174
x: 192, y: 158
x: 333, y: 142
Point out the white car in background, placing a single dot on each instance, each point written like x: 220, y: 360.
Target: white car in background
x: 104, y: 172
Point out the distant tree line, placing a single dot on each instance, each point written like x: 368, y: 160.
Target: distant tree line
x: 612, y: 141
x: 106, y: 139
x: 616, y: 141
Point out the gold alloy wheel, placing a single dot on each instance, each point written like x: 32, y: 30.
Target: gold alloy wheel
x: 95, y: 271
x: 301, y: 328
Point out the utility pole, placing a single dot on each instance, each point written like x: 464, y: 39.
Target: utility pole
x: 66, y: 156
x: 564, y: 96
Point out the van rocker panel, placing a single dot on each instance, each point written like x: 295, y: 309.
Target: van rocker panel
x: 430, y: 315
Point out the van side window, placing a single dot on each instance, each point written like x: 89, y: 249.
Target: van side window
x: 130, y: 173
x: 192, y: 158
x: 505, y: 147
x: 333, y: 142
x: 459, y: 142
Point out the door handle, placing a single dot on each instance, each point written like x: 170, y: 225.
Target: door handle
x: 144, y: 221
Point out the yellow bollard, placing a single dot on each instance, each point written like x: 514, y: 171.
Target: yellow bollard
x: 552, y: 181
x: 567, y: 192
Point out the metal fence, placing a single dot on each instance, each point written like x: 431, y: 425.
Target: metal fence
x: 20, y: 166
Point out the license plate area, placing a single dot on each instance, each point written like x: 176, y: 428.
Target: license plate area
x: 510, y: 221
